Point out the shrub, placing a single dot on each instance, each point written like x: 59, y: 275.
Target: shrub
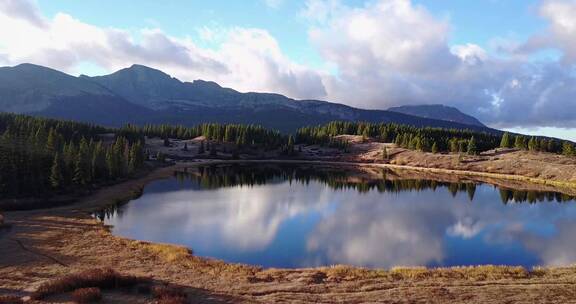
x: 169, y: 295
x: 87, y: 295
x: 102, y: 278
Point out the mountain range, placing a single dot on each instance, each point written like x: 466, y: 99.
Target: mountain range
x: 141, y: 95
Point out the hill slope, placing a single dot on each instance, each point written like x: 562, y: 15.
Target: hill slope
x: 141, y: 95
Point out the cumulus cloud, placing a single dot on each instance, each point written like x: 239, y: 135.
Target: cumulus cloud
x: 394, y: 52
x: 23, y: 9
x: 385, y: 53
x: 561, y: 31
x: 246, y: 59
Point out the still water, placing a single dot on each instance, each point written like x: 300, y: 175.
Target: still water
x: 290, y: 216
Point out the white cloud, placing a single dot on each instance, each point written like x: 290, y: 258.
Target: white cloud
x: 246, y: 59
x: 385, y: 53
x: 393, y: 52
x: 561, y: 32
x: 23, y: 9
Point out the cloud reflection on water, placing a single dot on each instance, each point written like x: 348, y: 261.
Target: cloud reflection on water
x: 372, y: 229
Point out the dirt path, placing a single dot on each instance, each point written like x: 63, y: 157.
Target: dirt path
x: 44, y: 244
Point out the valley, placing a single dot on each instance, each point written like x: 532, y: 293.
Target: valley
x: 45, y: 244
x: 274, y: 151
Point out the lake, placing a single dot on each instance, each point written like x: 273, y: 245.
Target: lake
x: 302, y: 216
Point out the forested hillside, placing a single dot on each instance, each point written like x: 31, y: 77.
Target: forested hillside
x: 42, y: 157
x: 432, y: 139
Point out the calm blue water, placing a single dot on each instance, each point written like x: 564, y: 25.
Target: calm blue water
x: 291, y: 217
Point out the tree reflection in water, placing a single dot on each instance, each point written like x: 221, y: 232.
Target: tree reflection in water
x: 294, y: 216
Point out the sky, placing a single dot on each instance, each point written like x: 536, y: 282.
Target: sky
x: 510, y: 63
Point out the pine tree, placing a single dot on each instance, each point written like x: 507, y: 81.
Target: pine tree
x: 532, y: 144
x: 385, y: 155
x: 434, y: 148
x: 79, y: 174
x: 133, y: 159
x: 520, y: 142
x: 52, y: 141
x: 111, y: 163
x: 568, y: 149
x: 505, y: 142
x: 472, y: 149
x: 454, y: 145
x: 56, y: 176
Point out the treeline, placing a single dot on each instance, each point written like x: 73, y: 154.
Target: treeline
x: 41, y: 157
x: 241, y: 135
x: 430, y: 139
x: 534, y: 143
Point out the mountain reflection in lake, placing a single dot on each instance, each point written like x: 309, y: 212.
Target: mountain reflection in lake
x: 290, y: 216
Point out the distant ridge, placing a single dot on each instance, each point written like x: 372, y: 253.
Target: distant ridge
x: 438, y: 111
x: 142, y: 95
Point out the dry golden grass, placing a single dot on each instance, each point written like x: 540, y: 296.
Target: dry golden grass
x: 470, y: 273
x: 184, y: 257
x: 169, y: 253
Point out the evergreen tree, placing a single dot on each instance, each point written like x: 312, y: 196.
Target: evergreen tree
x: 79, y: 177
x: 111, y: 164
x: 385, y: 155
x: 434, y: 148
x: 520, y: 142
x: 56, y: 176
x: 472, y: 149
x: 532, y: 144
x: 568, y: 149
x: 505, y: 142
x: 52, y: 141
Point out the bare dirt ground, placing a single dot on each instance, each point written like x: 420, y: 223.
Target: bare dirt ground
x: 45, y: 244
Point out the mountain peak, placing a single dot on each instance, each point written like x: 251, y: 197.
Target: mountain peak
x: 438, y: 111
x: 143, y: 72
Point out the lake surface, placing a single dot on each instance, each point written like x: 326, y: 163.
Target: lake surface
x: 290, y: 216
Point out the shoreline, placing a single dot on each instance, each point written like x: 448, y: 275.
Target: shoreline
x: 215, y: 273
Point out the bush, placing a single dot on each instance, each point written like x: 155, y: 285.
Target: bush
x: 169, y: 295
x: 102, y: 278
x: 87, y: 295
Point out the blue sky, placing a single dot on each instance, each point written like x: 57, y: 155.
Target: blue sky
x: 472, y: 21
x: 490, y: 58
